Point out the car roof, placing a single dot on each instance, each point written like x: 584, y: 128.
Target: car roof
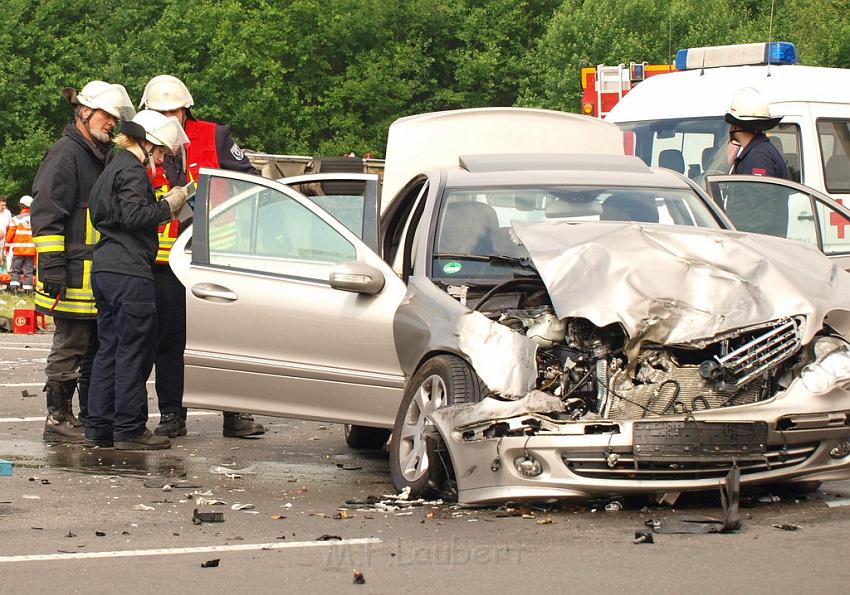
x: 709, y: 92
x: 584, y: 170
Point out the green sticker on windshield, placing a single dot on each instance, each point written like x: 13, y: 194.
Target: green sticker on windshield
x: 450, y: 268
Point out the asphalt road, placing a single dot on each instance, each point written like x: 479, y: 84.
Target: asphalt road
x: 99, y: 521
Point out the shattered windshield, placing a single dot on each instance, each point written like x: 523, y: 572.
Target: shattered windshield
x: 474, y: 239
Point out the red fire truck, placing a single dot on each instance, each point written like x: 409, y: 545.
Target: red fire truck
x: 603, y: 86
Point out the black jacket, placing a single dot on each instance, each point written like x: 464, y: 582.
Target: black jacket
x: 761, y: 158
x: 127, y: 215
x: 64, y: 239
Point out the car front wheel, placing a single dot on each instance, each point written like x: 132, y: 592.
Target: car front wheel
x: 417, y: 458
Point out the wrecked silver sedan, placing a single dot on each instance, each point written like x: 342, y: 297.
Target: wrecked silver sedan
x: 568, y: 327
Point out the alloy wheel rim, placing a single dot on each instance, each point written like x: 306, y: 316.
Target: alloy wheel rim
x: 412, y: 445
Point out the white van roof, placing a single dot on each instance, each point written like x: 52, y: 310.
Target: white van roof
x: 419, y: 143
x: 708, y: 92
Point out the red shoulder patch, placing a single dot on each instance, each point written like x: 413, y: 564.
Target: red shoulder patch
x: 759, y: 171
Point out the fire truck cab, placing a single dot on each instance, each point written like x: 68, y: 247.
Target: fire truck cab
x: 677, y: 121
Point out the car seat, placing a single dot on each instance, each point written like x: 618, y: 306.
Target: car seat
x: 630, y: 207
x: 469, y: 227
x: 672, y: 159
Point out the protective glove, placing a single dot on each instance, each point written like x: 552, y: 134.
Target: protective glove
x: 176, y: 198
x: 53, y: 280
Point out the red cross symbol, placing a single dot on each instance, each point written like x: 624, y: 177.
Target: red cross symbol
x: 838, y: 220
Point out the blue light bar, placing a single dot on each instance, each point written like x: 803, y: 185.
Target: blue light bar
x: 682, y: 60
x: 780, y: 52
x: 775, y: 52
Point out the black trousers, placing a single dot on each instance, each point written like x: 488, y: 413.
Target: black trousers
x: 126, y: 326
x: 170, y: 340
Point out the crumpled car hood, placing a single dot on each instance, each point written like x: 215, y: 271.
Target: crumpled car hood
x: 676, y: 285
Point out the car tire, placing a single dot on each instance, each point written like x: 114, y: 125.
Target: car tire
x: 418, y: 459
x: 365, y: 437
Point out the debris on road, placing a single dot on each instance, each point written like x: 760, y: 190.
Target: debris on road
x: 769, y: 499
x: 100, y: 534
x: 143, y: 507
x: 730, y: 491
x: 359, y: 579
x: 240, y: 506
x: 345, y: 467
x: 643, y: 537
x: 207, y: 517
x: 787, y: 526
x: 839, y: 503
x: 175, y: 484
x: 232, y: 473
x: 26, y: 394
x: 211, y: 563
x: 327, y: 537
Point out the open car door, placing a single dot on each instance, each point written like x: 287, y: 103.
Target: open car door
x: 786, y: 209
x: 289, y: 311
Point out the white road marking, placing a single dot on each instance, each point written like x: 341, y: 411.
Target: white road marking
x: 41, y: 383
x: 22, y: 348
x: 241, y: 547
x: 8, y: 420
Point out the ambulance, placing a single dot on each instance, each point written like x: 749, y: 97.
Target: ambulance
x: 677, y: 121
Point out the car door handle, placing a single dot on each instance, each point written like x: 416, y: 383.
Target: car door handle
x: 214, y: 293
x: 805, y: 217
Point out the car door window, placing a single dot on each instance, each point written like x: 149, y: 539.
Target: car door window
x: 253, y: 227
x: 342, y: 199
x: 771, y: 209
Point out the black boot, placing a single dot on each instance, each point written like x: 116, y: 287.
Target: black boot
x: 240, y: 425
x: 58, y: 427
x: 171, y: 425
x: 75, y: 421
x: 147, y: 441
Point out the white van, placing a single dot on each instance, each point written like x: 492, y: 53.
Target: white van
x: 677, y: 122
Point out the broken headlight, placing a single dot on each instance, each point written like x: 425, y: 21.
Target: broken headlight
x: 833, y: 369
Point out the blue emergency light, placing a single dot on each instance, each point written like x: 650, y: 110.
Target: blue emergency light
x: 775, y: 52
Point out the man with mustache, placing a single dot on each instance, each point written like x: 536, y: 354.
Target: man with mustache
x: 64, y: 238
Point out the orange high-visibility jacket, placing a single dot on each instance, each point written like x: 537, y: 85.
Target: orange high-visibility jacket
x: 19, y: 235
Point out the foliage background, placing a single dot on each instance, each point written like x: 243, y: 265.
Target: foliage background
x: 329, y: 76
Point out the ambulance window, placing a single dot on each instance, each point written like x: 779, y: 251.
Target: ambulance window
x: 834, y: 136
x: 698, y: 147
x: 834, y: 230
x: 786, y: 138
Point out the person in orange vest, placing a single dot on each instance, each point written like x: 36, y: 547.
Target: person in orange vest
x: 210, y: 145
x: 19, y: 242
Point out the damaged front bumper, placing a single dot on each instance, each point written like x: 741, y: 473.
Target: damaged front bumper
x: 512, y: 450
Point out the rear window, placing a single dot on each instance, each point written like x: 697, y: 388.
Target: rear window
x: 834, y: 137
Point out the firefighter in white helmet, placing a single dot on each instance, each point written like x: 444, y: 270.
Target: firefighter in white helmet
x: 749, y: 208
x: 127, y: 214
x: 64, y: 240
x: 210, y: 146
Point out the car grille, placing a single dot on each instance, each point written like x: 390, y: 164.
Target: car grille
x: 762, y: 353
x: 627, y: 468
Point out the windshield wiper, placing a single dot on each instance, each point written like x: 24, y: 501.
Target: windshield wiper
x: 516, y: 261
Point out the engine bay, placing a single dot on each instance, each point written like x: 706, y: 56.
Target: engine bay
x: 587, y: 368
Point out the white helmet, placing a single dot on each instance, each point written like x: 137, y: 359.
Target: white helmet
x: 112, y: 99
x: 165, y: 93
x: 749, y: 111
x: 25, y: 201
x: 164, y: 131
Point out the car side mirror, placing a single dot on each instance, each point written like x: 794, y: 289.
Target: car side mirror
x: 357, y: 277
